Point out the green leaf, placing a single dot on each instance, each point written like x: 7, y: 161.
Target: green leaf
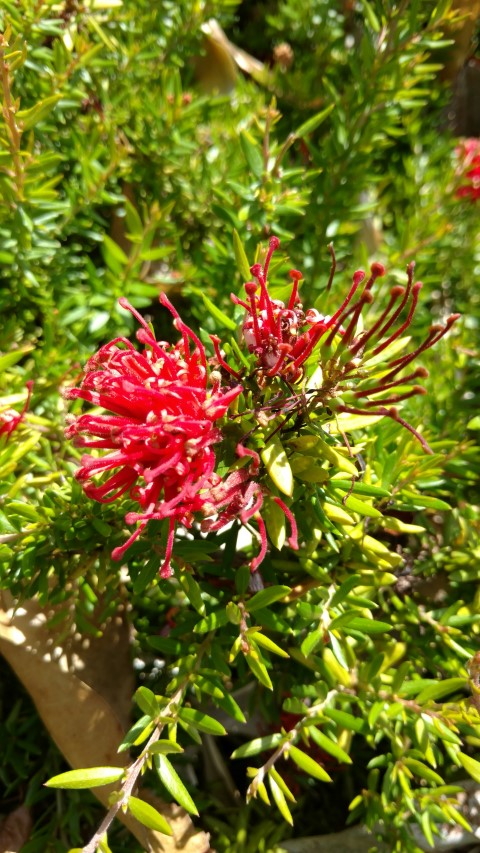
x: 148, y: 816
x: 424, y: 501
x: 315, y: 121
x: 353, y: 503
x: 276, y: 462
x: 346, y: 720
x: 166, y: 645
x: 440, y: 689
x: 252, y: 153
x: 201, y: 721
x: 259, y: 670
x: 90, y: 777
x: 279, y: 799
x: 240, y: 257
x: 474, y: 423
x: 114, y: 251
x: 360, y: 488
x: 336, y: 458
x: 164, y: 747
x: 147, y: 701
x: 38, y: 112
x: 311, y: 641
x: 345, y: 589
x: 337, y: 650
x: 422, y: 771
x: 266, y: 597
x: 371, y: 17
x: 214, y: 620
x: 267, y: 643
x: 11, y: 358
x: 193, y: 592
x: 174, y: 785
x: 367, y: 626
x: 276, y: 523
x: 328, y: 745
x: 308, y: 765
x: 471, y: 765
x: 259, y: 744
x: 230, y: 706
x: 215, y: 311
x: 138, y: 733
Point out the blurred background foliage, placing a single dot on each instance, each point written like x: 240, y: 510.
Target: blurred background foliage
x: 135, y: 139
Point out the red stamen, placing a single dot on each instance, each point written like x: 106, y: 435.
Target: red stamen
x: 397, y: 398
x: 415, y: 291
x: 293, y: 538
x: 218, y: 355
x: 420, y: 371
x: 254, y: 564
x: 410, y: 271
x: 358, y: 277
x: 333, y: 266
x: 360, y: 344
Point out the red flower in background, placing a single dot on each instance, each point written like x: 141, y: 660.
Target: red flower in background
x: 468, y: 157
x: 10, y: 419
x: 161, y: 429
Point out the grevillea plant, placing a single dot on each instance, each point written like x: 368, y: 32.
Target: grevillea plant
x: 170, y: 412
x: 268, y: 432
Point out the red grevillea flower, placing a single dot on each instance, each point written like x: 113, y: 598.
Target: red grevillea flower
x: 468, y: 158
x: 160, y: 429
x: 291, y: 344
x: 10, y: 419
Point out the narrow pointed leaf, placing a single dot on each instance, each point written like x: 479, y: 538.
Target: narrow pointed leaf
x: 471, y: 765
x: 90, y: 777
x: 241, y: 257
x: 148, y: 816
x: 174, y: 785
x: 259, y: 744
x: 201, y: 721
x: 276, y: 462
x: 266, y: 597
x: 328, y: 745
x: 279, y: 799
x: 308, y: 765
x: 164, y: 747
x: 422, y: 771
x: 259, y: 670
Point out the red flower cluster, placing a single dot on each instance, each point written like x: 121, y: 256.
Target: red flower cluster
x: 275, y: 332
x: 284, y: 337
x: 161, y: 430
x: 468, y: 157
x: 10, y: 419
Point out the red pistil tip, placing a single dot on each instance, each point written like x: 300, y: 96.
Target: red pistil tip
x: 452, y: 319
x: 377, y: 269
x: 367, y: 296
x: 251, y: 288
x: 358, y: 277
x: 274, y: 243
x: 397, y: 290
x: 296, y: 275
x: 422, y: 371
x: 256, y: 270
